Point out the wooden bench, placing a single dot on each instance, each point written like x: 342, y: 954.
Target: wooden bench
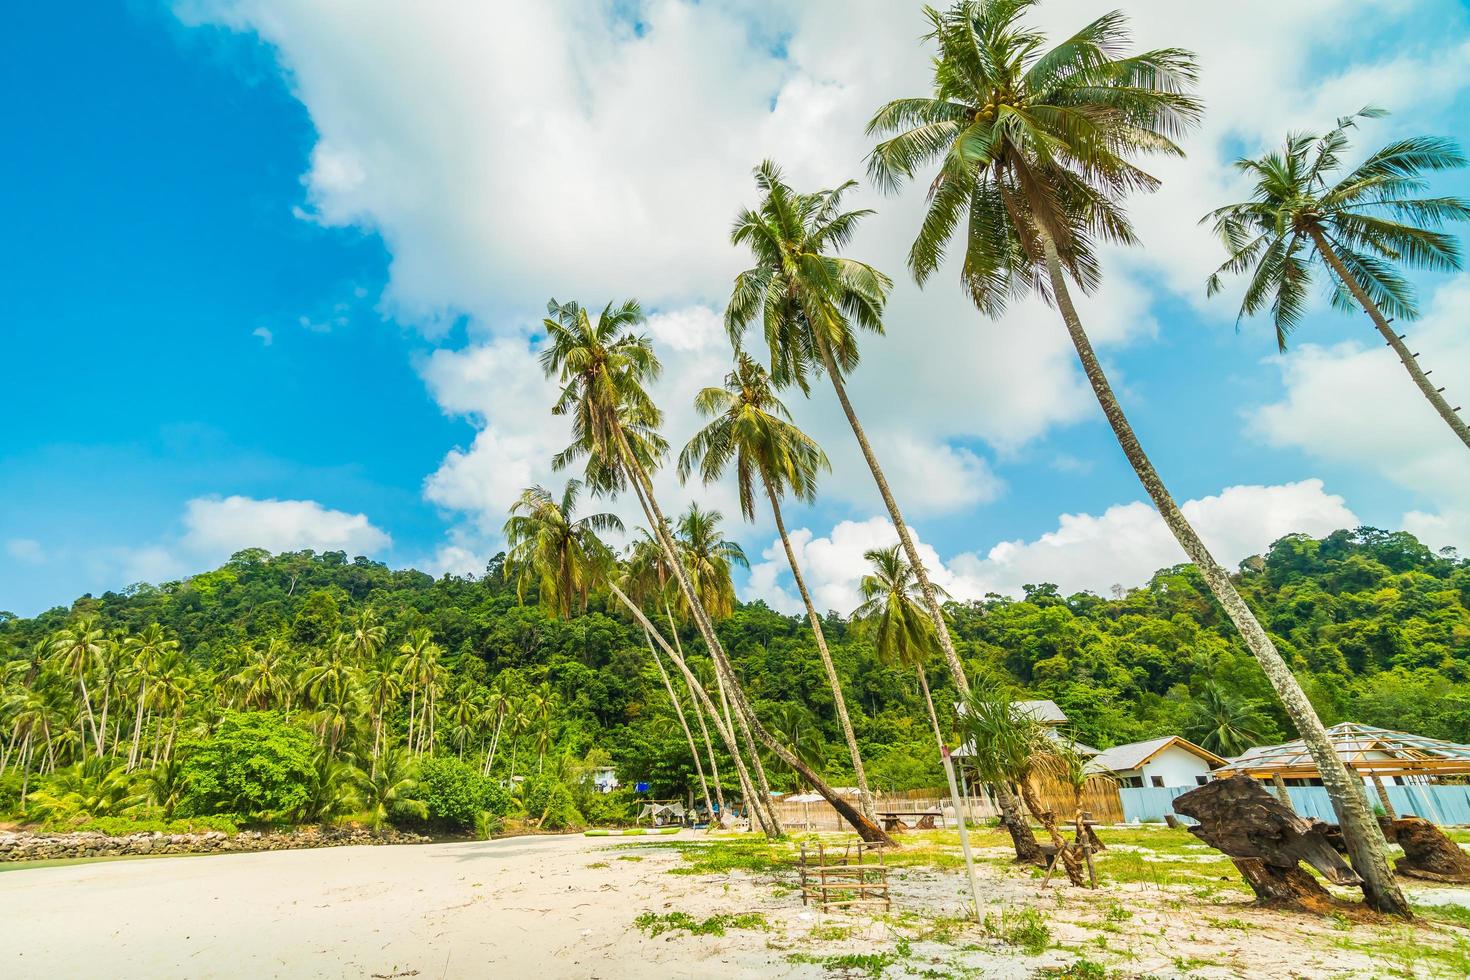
x: 893, y: 820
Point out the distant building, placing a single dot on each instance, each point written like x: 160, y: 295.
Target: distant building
x: 605, y: 779
x: 1166, y: 761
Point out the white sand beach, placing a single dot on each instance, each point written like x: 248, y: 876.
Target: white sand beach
x: 519, y: 907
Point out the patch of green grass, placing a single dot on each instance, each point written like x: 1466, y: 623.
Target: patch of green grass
x: 1455, y: 914
x: 722, y: 856
x: 1019, y: 926
x: 598, y: 864
x: 848, y: 964
x: 1118, y: 913
x: 1082, y: 969
x: 1227, y: 923
x: 830, y: 934
x: 656, y: 925
x: 630, y: 857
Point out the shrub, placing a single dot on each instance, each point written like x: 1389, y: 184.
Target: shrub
x: 254, y: 764
x: 123, y: 826
x: 549, y: 802
x: 456, y: 794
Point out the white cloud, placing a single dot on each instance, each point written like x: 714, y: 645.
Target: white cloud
x: 220, y: 526
x: 1353, y: 404
x: 1124, y: 545
x: 266, y: 336
x: 26, y: 550
x: 506, y: 153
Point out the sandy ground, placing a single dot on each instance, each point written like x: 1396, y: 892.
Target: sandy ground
x: 520, y: 907
x: 551, y: 907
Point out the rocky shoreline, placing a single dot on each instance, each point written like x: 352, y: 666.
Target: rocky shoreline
x: 25, y: 846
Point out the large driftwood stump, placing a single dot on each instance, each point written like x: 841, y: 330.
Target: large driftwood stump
x: 1428, y: 852
x: 1285, y: 887
x: 1267, y: 841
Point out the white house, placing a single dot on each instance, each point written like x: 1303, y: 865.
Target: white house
x: 605, y: 778
x: 1166, y: 761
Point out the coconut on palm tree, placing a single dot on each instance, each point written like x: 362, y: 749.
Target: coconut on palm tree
x: 1036, y: 151
x: 602, y: 367
x: 807, y: 300
x: 1363, y: 226
x: 752, y: 430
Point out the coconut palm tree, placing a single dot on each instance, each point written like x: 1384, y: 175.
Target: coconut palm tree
x: 708, y: 557
x: 1035, y: 150
x: 265, y: 679
x: 418, y: 665
x: 1223, y: 723
x: 893, y: 616
x: 389, y: 791
x: 79, y: 649
x: 144, y: 654
x: 366, y: 635
x: 561, y: 553
x: 807, y: 300
x: 602, y: 367
x: 1361, y: 227
x: 750, y: 428
x: 643, y: 579
x: 383, y: 686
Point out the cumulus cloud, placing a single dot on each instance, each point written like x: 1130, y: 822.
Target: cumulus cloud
x: 618, y: 171
x: 26, y: 550
x: 213, y: 528
x: 1353, y: 404
x: 220, y: 526
x: 1122, y: 546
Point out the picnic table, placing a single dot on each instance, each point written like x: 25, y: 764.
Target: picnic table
x: 893, y: 820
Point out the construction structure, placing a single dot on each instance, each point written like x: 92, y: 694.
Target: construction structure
x: 844, y: 879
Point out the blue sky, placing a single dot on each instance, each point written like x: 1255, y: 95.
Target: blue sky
x: 274, y: 269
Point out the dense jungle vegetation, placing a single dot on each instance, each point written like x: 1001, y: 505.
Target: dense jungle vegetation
x: 306, y: 687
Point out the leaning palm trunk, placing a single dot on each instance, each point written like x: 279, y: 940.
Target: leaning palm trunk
x: 747, y: 788
x: 961, y: 683
x: 1409, y: 359
x: 726, y: 735
x: 709, y: 747
x: 744, y: 713
x: 1360, y: 830
x: 1048, y: 819
x: 683, y: 723
x: 929, y: 703
x: 858, y: 771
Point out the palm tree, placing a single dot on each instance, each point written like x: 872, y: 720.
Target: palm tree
x: 388, y: 792
x: 1223, y: 723
x: 366, y: 635
x: 78, y: 650
x: 1035, y: 147
x: 1008, y: 747
x: 808, y: 301
x: 602, y: 368
x: 332, y: 788
x: 707, y: 557
x: 644, y: 580
x: 892, y: 615
x: 384, y: 685
x: 265, y: 677
x: 750, y: 428
x: 145, y: 653
x: 552, y: 547
x: 1361, y: 227
x: 418, y: 664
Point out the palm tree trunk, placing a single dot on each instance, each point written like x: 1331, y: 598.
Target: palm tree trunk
x: 91, y: 721
x: 1360, y: 830
x: 758, y: 796
x: 1409, y: 359
x: 811, y: 614
x: 137, y: 726
x: 929, y: 702
x: 725, y: 730
x: 709, y: 748
x: 1048, y: 819
x: 684, y: 724
x: 494, y: 742
x: 866, y: 828
x: 961, y: 682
